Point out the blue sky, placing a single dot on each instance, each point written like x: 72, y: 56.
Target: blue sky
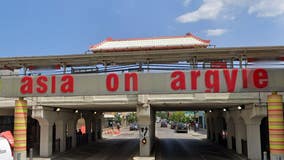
x: 37, y: 27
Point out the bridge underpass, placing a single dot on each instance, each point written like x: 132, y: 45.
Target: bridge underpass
x: 43, y: 109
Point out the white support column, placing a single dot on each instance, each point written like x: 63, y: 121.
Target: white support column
x: 74, y: 133
x: 238, y: 134
x: 45, y: 140
x: 88, y: 127
x: 253, y: 141
x: 216, y: 130
x: 212, y: 131
x: 94, y: 128
x: 60, y: 134
x: 98, y: 125
x: 145, y: 129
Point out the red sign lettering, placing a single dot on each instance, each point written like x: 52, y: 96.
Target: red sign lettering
x: 42, y: 86
x: 179, y: 82
x: 27, y: 87
x: 68, y: 84
x: 230, y: 79
x: 260, y: 78
x: 42, y: 83
x: 212, y: 81
x: 194, y: 76
x: 112, y: 82
x: 127, y: 78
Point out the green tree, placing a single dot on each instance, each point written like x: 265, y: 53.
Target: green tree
x: 162, y: 115
x: 131, y: 117
x: 117, y: 118
x: 179, y: 117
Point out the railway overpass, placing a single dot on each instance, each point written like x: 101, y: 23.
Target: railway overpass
x: 236, y: 97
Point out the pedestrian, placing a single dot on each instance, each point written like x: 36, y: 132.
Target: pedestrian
x: 80, y: 132
x: 197, y: 126
x: 118, y: 126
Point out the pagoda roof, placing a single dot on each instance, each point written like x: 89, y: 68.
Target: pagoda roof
x: 139, y: 44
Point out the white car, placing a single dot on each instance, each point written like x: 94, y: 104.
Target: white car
x: 5, y: 149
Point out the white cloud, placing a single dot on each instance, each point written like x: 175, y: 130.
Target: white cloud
x: 215, y: 32
x: 220, y: 9
x: 267, y: 8
x: 186, y: 2
x: 208, y: 10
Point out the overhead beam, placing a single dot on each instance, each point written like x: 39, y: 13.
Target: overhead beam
x: 150, y: 56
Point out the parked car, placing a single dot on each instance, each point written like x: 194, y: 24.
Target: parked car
x: 133, y: 127
x: 181, y: 127
x: 164, y: 124
x: 5, y: 149
x: 173, y: 125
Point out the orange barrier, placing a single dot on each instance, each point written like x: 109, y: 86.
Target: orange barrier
x: 111, y: 131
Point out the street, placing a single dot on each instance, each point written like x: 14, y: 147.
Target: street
x: 189, y: 146
x: 170, y: 146
x: 119, y: 147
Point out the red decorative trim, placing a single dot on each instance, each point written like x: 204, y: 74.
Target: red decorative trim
x: 150, y: 48
x: 198, y: 38
x: 102, y: 42
x: 153, y: 38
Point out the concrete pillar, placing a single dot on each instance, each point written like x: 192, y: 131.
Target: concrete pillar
x: 231, y: 133
x: 45, y: 139
x: 204, y: 123
x: 98, y: 125
x: 145, y: 128
x: 208, y: 127
x: 212, y: 131
x: 61, y: 134
x: 240, y: 134
x: 238, y: 137
x: 217, y: 130
x: 276, y: 126
x: 88, y: 128
x: 94, y: 128
x: 229, y: 142
x: 74, y: 133
x: 253, y: 141
x: 20, y: 129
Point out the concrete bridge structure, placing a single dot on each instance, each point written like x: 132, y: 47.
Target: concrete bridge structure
x: 242, y: 125
x: 240, y: 101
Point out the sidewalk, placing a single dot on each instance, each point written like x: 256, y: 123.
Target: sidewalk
x: 200, y: 133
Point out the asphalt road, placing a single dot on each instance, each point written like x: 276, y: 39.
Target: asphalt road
x: 113, y: 147
x: 170, y: 146
x: 189, y: 146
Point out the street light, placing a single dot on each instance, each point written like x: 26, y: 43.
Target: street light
x: 241, y: 107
